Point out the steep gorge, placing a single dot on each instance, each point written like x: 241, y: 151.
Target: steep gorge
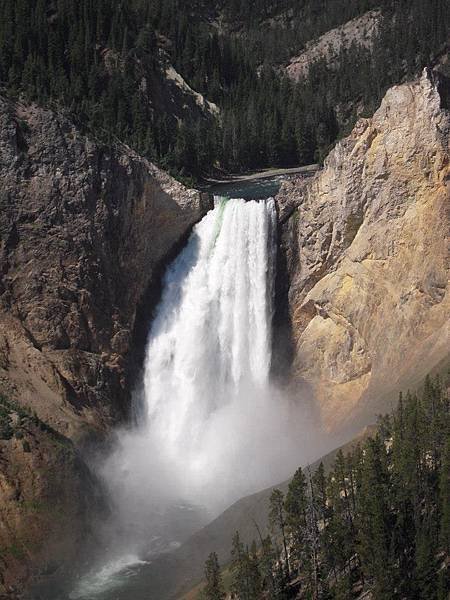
x: 362, y: 290
x: 85, y: 231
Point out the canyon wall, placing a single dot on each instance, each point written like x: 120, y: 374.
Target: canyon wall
x: 48, y: 501
x: 365, y: 246
x: 360, y: 31
x: 84, y: 230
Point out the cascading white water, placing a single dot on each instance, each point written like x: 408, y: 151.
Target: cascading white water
x: 210, y: 426
x: 210, y: 343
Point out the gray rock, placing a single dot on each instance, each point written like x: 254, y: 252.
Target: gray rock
x: 84, y: 232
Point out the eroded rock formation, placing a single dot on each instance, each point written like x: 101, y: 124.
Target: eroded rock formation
x: 83, y: 229
x: 48, y: 500
x: 360, y: 31
x: 366, y: 248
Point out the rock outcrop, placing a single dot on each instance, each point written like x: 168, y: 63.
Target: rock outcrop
x: 365, y: 244
x: 47, y: 499
x: 361, y: 31
x: 84, y: 231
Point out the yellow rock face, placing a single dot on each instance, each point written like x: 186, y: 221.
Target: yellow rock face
x: 367, y: 256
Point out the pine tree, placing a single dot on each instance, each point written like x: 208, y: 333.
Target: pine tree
x: 277, y: 520
x: 240, y: 570
x: 255, y: 583
x: 296, y: 505
x: 444, y: 498
x: 268, y: 565
x: 213, y: 589
x: 375, y: 521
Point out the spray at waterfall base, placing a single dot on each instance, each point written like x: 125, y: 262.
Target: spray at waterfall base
x: 211, y: 426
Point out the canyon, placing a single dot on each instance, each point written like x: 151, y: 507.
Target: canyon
x: 362, y: 291
x: 86, y: 232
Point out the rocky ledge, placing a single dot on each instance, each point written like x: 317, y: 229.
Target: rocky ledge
x: 365, y: 243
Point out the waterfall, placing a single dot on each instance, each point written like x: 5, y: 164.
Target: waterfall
x: 206, y: 405
x: 210, y: 342
x: 210, y: 426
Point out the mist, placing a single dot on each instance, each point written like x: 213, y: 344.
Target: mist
x: 256, y: 440
x: 210, y: 426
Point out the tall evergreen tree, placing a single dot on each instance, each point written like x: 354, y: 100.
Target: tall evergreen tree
x: 214, y: 589
x: 277, y: 520
x: 296, y: 505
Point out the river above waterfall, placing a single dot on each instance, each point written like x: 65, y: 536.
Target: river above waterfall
x: 256, y: 186
x: 253, y: 189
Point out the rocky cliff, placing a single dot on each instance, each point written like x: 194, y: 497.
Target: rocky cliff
x: 84, y: 230
x: 48, y: 499
x: 365, y: 243
x: 360, y: 31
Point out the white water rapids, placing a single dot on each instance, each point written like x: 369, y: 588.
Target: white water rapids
x: 210, y: 426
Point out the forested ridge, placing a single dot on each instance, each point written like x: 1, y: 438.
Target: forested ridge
x: 105, y: 61
x: 377, y: 524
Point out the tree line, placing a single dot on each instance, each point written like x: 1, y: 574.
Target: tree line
x: 92, y: 57
x: 378, y: 522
